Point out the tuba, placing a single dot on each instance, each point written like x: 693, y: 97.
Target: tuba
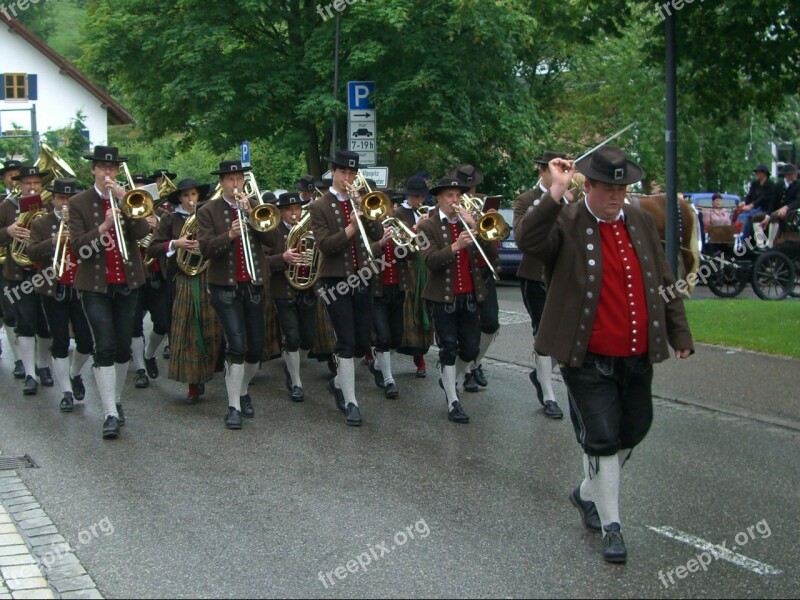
x: 303, y: 276
x: 18, y: 248
x: 50, y: 161
x: 190, y: 262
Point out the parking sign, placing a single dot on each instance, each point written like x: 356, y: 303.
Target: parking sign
x: 362, y: 130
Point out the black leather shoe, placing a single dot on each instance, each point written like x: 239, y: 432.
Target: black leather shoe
x: 535, y: 381
x: 45, y: 376
x: 31, y: 387
x: 391, y: 391
x: 288, y: 377
x: 78, y: 389
x: 233, y: 420
x: 446, y: 401
x: 152, y: 367
x: 141, y: 381
x: 551, y: 410
x: 121, y: 417
x: 297, y: 394
x: 67, y: 404
x: 614, y: 550
x: 165, y: 354
x: 352, y: 416
x: 457, y: 414
x: 589, y: 516
x: 19, y: 370
x: 480, y: 378
x: 111, y: 428
x: 247, y: 406
x: 378, y: 375
x: 470, y: 385
x: 337, y: 394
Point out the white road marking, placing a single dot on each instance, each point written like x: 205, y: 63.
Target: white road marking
x: 717, y: 551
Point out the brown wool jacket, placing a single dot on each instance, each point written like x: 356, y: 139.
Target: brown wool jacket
x: 529, y: 267
x: 213, y: 224
x: 279, y: 288
x: 327, y: 223
x: 566, y: 238
x: 41, y: 248
x: 440, y: 261
x: 85, y: 217
x: 169, y: 228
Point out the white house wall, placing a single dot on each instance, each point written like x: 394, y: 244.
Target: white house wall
x: 59, y: 96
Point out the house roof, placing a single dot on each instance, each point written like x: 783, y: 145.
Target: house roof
x: 117, y: 115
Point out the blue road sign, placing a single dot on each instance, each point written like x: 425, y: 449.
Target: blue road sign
x: 246, y: 153
x: 359, y: 95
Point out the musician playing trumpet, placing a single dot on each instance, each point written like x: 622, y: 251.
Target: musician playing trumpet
x: 237, y: 292
x: 195, y: 333
x: 49, y: 247
x: 451, y: 258
x: 296, y: 309
x: 108, y: 284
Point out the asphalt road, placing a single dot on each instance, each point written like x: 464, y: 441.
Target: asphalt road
x: 413, y: 504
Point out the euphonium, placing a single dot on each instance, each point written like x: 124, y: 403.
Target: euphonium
x: 50, y: 161
x: 19, y: 247
x: 13, y: 195
x: 302, y: 276
x: 190, y: 262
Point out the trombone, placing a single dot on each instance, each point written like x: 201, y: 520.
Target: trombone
x: 262, y: 218
x: 490, y: 226
x: 137, y: 204
x: 375, y: 206
x: 61, y: 254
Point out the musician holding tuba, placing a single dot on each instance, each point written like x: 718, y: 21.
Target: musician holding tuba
x: 49, y: 247
x: 108, y: 285
x: 451, y: 258
x: 195, y: 333
x: 33, y: 336
x: 342, y: 237
x: 9, y: 171
x: 236, y: 276
x: 296, y: 308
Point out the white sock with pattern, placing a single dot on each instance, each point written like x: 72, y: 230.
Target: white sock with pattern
x: 234, y: 376
x: 347, y: 380
x: 137, y: 352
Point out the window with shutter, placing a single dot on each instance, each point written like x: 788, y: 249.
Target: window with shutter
x: 15, y: 86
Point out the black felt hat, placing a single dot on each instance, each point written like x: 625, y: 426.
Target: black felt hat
x: 445, y: 183
x: 105, y: 154
x: 610, y: 165
x: 344, y: 159
x: 188, y: 184
x: 231, y: 166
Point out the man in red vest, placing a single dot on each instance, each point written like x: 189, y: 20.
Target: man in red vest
x: 604, y: 321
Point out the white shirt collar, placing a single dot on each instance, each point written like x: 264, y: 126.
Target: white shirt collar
x: 99, y: 193
x: 179, y: 209
x: 445, y: 218
x: 621, y: 215
x: 541, y: 187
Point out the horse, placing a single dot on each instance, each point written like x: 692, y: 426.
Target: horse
x: 688, y: 230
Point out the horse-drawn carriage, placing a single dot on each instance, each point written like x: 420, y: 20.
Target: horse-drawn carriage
x: 733, y: 262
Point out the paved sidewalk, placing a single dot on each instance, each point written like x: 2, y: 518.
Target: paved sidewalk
x: 35, y: 561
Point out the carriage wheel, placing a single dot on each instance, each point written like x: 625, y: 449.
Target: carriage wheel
x: 773, y: 276
x: 729, y: 280
x: 796, y: 290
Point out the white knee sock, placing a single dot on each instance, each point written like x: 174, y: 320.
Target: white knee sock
x: 449, y: 382
x: 605, y: 489
x: 105, y: 378
x: 12, y: 342
x: 383, y: 362
x: 26, y: 346
x: 43, y: 352
x: 774, y: 228
x: 78, y: 360
x: 61, y: 374
x: 586, y: 484
x: 347, y: 380
x: 152, y: 344
x: 544, y: 373
x: 292, y: 360
x: 486, y: 341
x: 234, y: 376
x: 119, y: 385
x: 137, y: 352
x: 248, y: 374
